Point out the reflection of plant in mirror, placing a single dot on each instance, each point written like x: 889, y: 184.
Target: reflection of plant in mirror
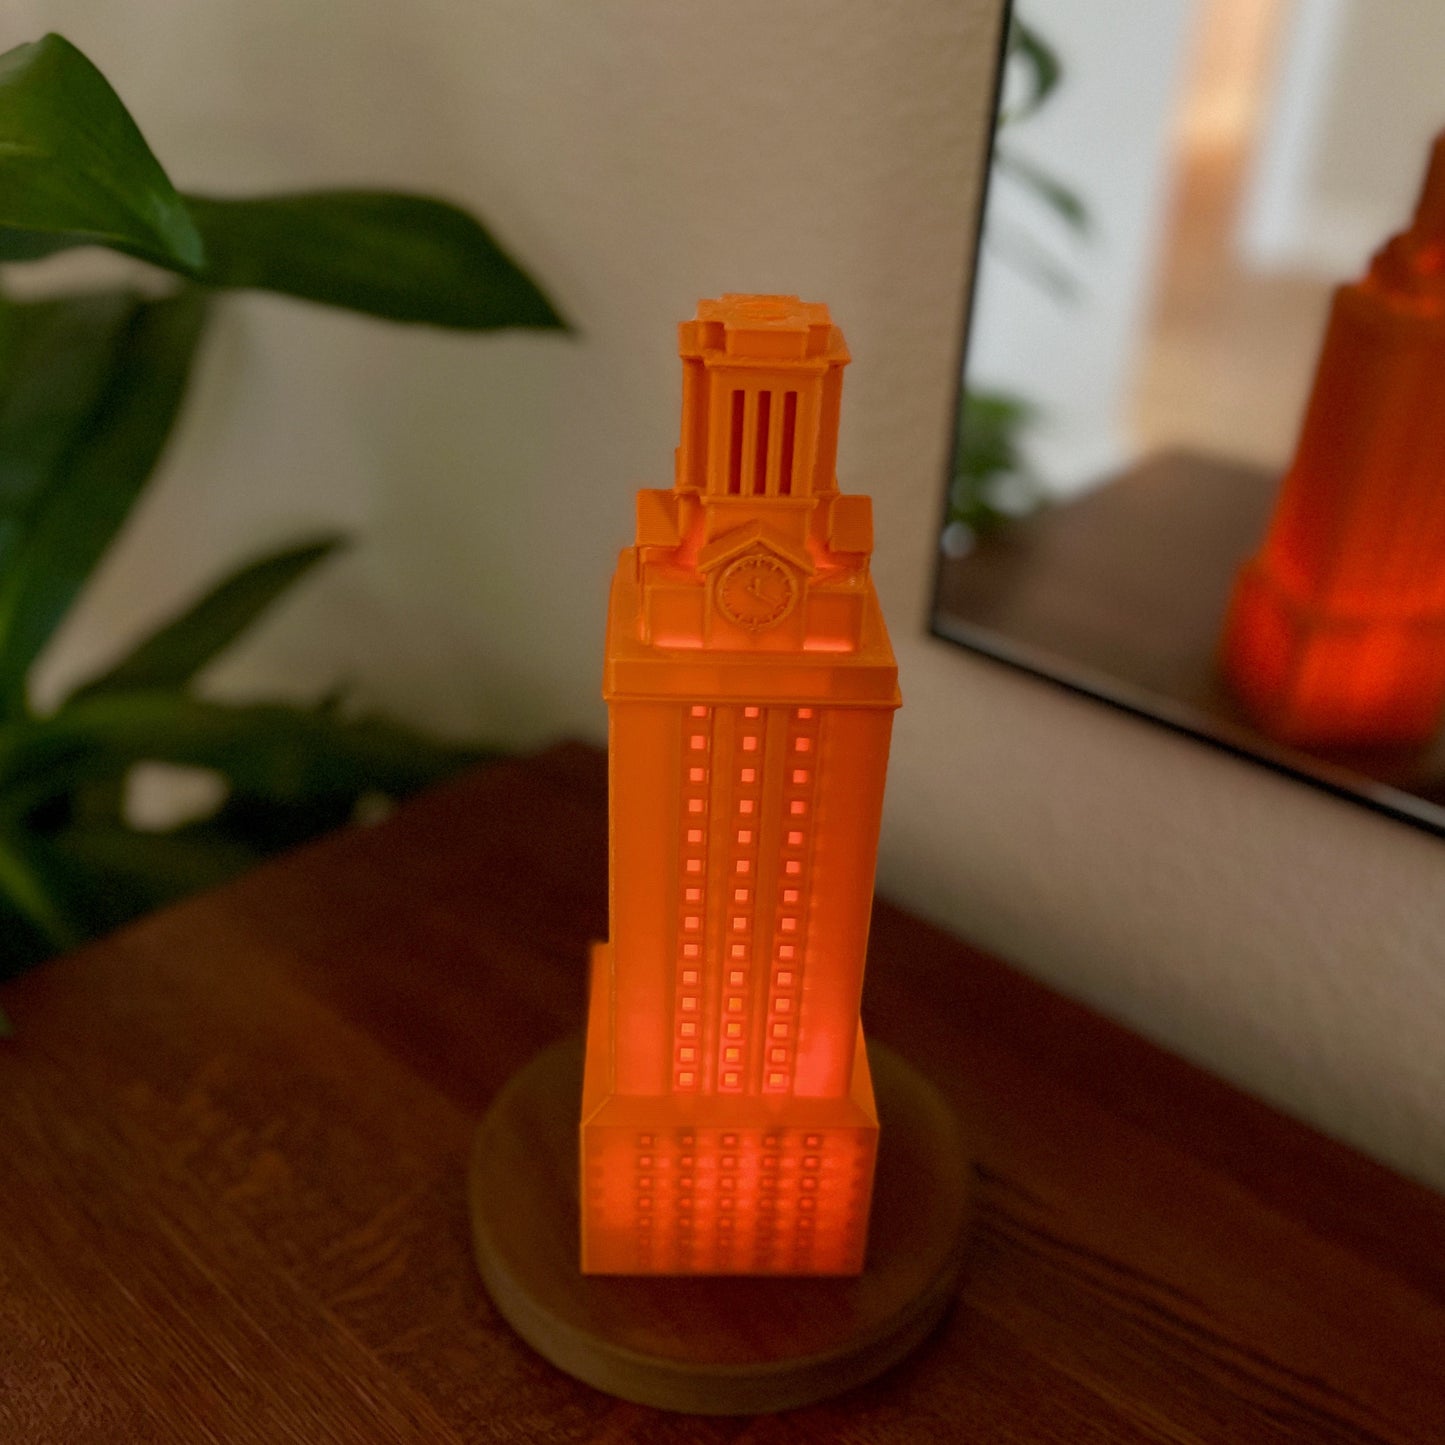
x: 1028, y: 54
x: 90, y: 387
x: 992, y: 477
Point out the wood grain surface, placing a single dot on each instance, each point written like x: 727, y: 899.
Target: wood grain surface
x: 237, y: 1137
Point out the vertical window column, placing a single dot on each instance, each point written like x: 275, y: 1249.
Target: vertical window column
x: 805, y: 1226
x: 644, y: 1189
x: 740, y: 930
x: 785, y: 982
x: 697, y: 724
x: 685, y: 1200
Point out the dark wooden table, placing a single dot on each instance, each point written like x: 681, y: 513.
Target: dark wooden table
x: 235, y: 1139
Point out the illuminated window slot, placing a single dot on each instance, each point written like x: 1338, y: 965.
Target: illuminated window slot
x: 800, y: 781
x: 697, y: 743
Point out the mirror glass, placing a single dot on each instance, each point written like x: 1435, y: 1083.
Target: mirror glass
x: 1175, y: 190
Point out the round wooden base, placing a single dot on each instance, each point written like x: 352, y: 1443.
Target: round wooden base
x: 717, y: 1345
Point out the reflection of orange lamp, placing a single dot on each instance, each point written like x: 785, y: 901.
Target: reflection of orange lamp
x: 728, y: 1122
x: 1336, y: 631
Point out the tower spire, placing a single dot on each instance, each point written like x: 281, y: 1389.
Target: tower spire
x: 762, y: 378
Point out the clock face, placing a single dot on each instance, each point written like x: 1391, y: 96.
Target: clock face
x: 756, y: 592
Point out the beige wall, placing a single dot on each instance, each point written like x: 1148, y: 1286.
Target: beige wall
x: 1076, y: 355
x: 641, y: 155
x: 1380, y: 113
x: 1356, y: 102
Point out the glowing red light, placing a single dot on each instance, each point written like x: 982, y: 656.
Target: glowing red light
x: 1336, y: 630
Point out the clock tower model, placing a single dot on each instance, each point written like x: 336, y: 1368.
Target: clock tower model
x: 728, y: 1122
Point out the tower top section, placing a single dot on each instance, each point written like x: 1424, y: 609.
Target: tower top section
x: 769, y: 330
x: 754, y: 551
x: 1410, y: 268
x: 762, y: 380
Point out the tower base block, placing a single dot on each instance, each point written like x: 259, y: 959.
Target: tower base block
x: 717, y: 1183
x: 715, y: 1344
x: 1310, y: 677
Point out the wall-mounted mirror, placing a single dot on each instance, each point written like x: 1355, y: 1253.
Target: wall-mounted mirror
x: 1175, y: 190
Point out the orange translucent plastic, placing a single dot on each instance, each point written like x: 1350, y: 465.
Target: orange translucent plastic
x: 1336, y: 630
x: 728, y: 1123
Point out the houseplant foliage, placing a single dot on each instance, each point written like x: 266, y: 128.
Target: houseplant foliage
x: 90, y: 388
x: 990, y: 455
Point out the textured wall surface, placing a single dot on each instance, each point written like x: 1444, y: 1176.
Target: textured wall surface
x: 639, y: 156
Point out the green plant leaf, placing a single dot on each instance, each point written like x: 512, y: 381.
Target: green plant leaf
x: 1016, y: 248
x: 269, y: 751
x: 22, y: 945
x: 55, y: 360
x: 173, y: 655
x: 79, y: 870
x: 991, y: 427
x: 75, y: 169
x: 1041, y: 65
x: 97, y: 481
x: 32, y: 895
x: 270, y: 826
x: 116, y: 873
x: 1061, y: 199
x: 402, y: 257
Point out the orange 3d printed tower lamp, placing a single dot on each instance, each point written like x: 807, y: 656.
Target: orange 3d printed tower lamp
x: 720, y: 1244
x: 1336, y: 631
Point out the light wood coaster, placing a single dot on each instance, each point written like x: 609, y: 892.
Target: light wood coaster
x: 718, y: 1345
